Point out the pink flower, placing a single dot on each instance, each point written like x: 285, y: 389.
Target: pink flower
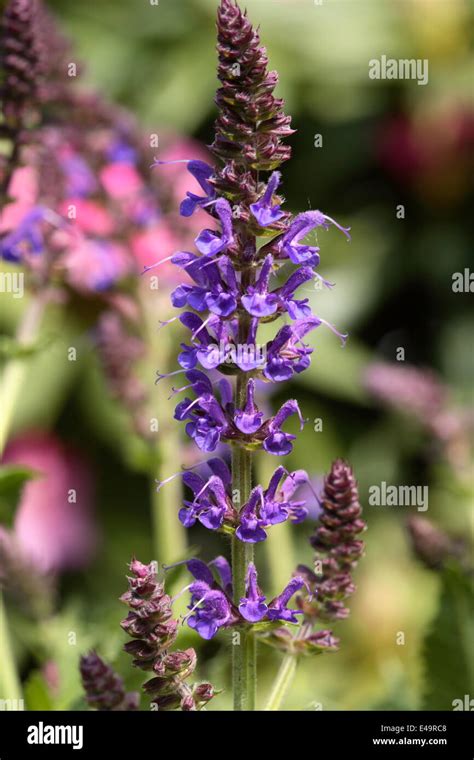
x: 121, y: 180
x: 154, y: 244
x: 90, y: 217
x: 23, y: 189
x: 95, y: 265
x: 54, y: 524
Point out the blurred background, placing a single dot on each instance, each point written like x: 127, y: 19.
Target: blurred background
x: 392, y: 159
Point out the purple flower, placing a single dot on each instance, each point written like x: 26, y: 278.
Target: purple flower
x: 80, y: 179
x: 290, y: 246
x: 208, y: 425
x: 210, y: 242
x: 203, y: 351
x: 225, y: 574
x: 208, y: 420
x: 252, y: 607
x: 216, y: 286
x: 210, y: 606
x: 258, y: 301
x: 278, y: 610
x: 301, y: 226
x: 277, y: 442
x: 122, y: 152
x: 296, y: 309
x: 211, y: 503
x: 249, y: 419
x: 250, y: 528
x: 27, y: 238
x: 264, y: 212
x: 222, y: 296
x: 286, y: 353
x: 211, y: 610
x: 201, y: 172
x: 278, y: 505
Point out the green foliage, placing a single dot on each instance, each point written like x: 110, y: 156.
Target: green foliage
x: 11, y: 349
x: 12, y: 479
x: 37, y: 695
x: 448, y: 649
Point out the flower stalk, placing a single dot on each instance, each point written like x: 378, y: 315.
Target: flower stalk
x: 234, y: 283
x: 10, y: 686
x: 282, y: 682
x: 15, y: 370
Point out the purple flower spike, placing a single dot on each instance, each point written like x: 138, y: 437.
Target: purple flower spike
x: 249, y: 419
x: 263, y: 210
x: 278, y: 610
x: 252, y: 607
x: 209, y: 242
x: 229, y: 295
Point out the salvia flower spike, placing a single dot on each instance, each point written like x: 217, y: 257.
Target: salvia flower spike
x: 233, y: 285
x: 337, y: 545
x: 153, y: 629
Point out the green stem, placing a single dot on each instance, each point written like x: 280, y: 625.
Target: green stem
x: 14, y: 373
x: 11, y: 384
x: 169, y: 538
x: 10, y: 686
x: 282, y: 682
x: 244, y: 654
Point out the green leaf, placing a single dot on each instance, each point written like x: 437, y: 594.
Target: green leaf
x: 37, y: 694
x: 11, y: 349
x: 448, y: 647
x: 13, y: 476
x: 12, y: 479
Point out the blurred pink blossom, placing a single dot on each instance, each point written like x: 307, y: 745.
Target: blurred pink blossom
x: 23, y: 189
x: 120, y: 180
x: 90, y: 217
x: 95, y: 265
x: 154, y: 244
x: 54, y: 524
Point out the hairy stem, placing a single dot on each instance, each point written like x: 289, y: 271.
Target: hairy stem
x: 244, y: 654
